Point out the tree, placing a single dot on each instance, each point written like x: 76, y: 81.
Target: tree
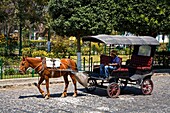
x: 143, y: 17
x: 81, y: 17
x: 24, y: 13
x: 60, y: 46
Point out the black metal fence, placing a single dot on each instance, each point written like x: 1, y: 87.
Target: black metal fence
x: 161, y: 61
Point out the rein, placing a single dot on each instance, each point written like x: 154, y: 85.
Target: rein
x: 42, y: 69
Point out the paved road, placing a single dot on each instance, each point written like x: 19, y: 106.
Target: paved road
x: 26, y: 99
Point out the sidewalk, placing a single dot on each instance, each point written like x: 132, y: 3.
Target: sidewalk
x: 30, y: 81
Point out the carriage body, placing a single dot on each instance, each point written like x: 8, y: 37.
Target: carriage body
x: 137, y: 70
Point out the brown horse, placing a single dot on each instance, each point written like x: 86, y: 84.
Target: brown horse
x: 45, y: 73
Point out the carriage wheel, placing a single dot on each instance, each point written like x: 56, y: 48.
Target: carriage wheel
x: 147, y: 86
x: 91, y: 85
x: 113, y: 90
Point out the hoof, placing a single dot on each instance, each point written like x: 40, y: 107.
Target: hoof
x: 64, y: 95
x: 43, y: 95
x: 75, y: 95
x: 46, y: 97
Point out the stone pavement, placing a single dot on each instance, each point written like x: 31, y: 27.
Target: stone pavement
x: 4, y: 83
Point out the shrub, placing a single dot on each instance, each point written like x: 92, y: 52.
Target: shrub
x: 40, y: 53
x: 26, y: 51
x: 9, y: 71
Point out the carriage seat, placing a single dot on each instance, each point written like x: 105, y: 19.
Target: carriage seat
x: 141, y: 62
x: 104, y: 59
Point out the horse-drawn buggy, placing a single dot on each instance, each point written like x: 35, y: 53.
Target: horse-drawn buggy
x: 136, y: 70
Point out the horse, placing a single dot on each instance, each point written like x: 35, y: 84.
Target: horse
x: 45, y: 73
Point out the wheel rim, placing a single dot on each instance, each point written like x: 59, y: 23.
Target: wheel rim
x: 113, y: 90
x: 91, y: 85
x: 147, y: 87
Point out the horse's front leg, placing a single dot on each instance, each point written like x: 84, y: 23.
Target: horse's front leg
x: 47, y: 87
x: 39, y: 88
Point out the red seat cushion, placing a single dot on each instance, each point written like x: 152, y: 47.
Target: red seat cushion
x: 141, y: 62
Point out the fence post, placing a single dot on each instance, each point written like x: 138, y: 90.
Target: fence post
x: 0, y: 69
x: 91, y: 63
x: 84, y: 63
x: 33, y: 71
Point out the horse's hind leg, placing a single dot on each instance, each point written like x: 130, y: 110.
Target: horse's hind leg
x: 39, y: 88
x: 64, y: 94
x: 75, y: 86
x: 47, y: 87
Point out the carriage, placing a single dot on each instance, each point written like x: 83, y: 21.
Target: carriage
x: 137, y: 70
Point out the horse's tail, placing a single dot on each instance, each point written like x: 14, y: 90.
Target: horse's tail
x: 75, y: 65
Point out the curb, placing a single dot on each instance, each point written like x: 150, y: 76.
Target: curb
x: 8, y: 83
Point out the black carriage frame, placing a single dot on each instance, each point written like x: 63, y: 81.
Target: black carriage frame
x: 134, y: 73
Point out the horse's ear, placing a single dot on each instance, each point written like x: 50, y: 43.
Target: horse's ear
x: 23, y: 58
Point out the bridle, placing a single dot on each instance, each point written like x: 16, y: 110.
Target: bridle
x: 38, y: 71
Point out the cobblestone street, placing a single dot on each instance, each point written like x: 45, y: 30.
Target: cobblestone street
x: 27, y: 99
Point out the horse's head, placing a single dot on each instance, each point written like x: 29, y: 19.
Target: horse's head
x: 24, y: 65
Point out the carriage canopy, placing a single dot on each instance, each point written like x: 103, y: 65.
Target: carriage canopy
x: 118, y: 39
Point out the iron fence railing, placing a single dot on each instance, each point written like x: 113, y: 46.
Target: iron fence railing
x: 161, y: 60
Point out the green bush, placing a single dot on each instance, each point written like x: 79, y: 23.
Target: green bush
x: 51, y: 55
x: 9, y: 71
x: 40, y: 53
x: 27, y: 51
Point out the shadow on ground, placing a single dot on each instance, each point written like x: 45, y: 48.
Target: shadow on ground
x: 51, y: 95
x: 102, y: 92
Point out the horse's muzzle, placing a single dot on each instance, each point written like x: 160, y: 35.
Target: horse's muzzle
x: 21, y: 72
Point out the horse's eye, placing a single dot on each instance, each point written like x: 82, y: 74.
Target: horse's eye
x: 22, y: 64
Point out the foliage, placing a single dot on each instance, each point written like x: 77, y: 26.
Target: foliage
x: 2, y: 39
x: 10, y: 60
x: 9, y: 71
x: 142, y: 17
x: 60, y: 45
x: 51, y: 55
x: 78, y: 17
x: 38, y: 41
x: 39, y: 53
x: 97, y: 47
x: 27, y: 52
x: 27, y: 13
x: 7, y: 44
x: 162, y: 47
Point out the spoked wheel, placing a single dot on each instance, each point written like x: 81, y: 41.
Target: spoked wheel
x: 147, y: 86
x: 122, y: 83
x: 113, y: 90
x: 91, y: 85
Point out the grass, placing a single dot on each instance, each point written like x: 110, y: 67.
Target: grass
x: 18, y: 76
x: 96, y: 58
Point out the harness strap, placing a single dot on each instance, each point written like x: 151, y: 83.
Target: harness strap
x: 42, y: 69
